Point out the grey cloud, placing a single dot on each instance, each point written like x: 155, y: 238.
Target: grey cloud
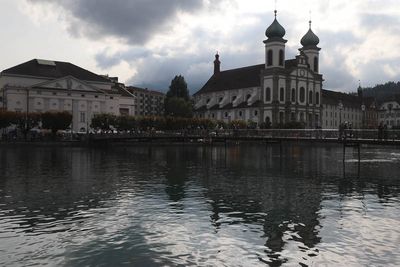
x: 105, y: 60
x: 386, y: 23
x: 135, y: 21
x: 374, y: 73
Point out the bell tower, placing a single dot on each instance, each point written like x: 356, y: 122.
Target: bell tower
x: 275, y: 45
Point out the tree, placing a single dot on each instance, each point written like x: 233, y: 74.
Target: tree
x: 104, y: 121
x: 177, y: 102
x: 26, y: 121
x: 55, y: 121
x: 178, y: 107
x: 178, y: 88
x: 6, y: 118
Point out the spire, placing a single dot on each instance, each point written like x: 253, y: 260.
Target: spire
x: 217, y: 64
x: 359, y: 90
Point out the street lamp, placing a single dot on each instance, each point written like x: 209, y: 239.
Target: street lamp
x: 363, y: 118
x: 340, y: 112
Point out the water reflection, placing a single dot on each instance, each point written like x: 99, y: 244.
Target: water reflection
x: 245, y: 205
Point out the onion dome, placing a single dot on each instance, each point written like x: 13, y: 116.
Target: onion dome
x: 275, y: 30
x: 309, y: 39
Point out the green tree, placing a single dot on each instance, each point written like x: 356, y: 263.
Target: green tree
x: 178, y: 107
x: 177, y: 103
x: 6, y: 118
x: 104, y: 121
x: 26, y: 121
x: 55, y: 121
x: 178, y: 88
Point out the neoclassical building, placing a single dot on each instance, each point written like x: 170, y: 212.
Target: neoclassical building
x: 389, y: 112
x: 43, y: 85
x: 277, y: 91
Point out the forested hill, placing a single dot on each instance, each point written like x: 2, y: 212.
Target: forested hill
x: 383, y: 91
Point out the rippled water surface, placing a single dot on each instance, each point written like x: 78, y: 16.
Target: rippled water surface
x: 245, y: 205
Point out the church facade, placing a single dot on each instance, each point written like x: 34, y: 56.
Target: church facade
x: 275, y: 92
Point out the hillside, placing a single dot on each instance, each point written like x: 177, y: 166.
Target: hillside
x: 382, y: 91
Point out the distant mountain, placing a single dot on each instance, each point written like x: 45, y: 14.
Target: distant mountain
x: 381, y: 92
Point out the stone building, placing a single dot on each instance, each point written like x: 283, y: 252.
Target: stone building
x: 353, y: 109
x: 43, y: 85
x: 389, y: 112
x: 277, y: 91
x: 148, y: 102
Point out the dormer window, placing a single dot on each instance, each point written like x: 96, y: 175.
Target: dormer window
x: 220, y: 99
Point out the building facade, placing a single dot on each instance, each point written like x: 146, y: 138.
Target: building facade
x: 148, y: 102
x: 276, y: 92
x: 44, y: 85
x: 353, y: 109
x: 389, y: 112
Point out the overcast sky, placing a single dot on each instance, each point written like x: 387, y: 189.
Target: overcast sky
x: 147, y: 42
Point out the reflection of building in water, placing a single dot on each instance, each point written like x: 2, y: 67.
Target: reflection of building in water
x: 62, y: 182
x: 283, y: 198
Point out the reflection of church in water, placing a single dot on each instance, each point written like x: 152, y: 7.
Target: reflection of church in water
x: 278, y: 91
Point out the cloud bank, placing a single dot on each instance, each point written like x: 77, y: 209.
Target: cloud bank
x: 164, y: 38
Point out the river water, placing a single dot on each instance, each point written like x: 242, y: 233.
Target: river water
x: 246, y: 205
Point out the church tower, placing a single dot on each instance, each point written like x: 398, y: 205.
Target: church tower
x: 275, y: 45
x: 310, y: 49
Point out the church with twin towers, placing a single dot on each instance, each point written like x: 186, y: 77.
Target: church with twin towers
x: 276, y: 92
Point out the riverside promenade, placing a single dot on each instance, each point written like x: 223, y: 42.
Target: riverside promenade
x: 347, y: 137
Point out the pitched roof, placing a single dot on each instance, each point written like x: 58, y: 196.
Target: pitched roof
x: 54, y: 69
x: 240, y: 78
x: 333, y: 98
x: 234, y: 79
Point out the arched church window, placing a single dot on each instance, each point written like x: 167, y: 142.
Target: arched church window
x: 310, y: 97
x: 293, y: 95
x: 302, y: 94
x: 268, y: 94
x: 269, y: 57
x: 282, y: 94
x: 281, y: 57
x: 248, y: 96
x: 316, y: 64
x: 317, y: 98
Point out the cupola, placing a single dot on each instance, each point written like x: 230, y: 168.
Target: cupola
x: 309, y: 39
x: 275, y: 30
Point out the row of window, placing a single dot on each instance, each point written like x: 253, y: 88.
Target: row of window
x: 345, y: 115
x: 268, y: 95
x: 69, y: 94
